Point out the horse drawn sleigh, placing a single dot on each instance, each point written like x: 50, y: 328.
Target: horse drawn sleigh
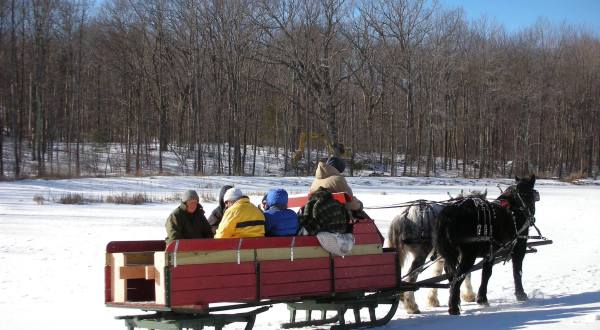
x: 190, y: 283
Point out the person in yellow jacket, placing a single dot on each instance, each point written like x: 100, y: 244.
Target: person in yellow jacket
x: 241, y: 218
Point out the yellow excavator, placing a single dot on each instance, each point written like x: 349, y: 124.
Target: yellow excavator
x: 335, y: 148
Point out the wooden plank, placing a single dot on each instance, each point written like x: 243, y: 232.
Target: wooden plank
x: 138, y: 271
x: 118, y: 285
x: 139, y: 258
x: 296, y: 276
x: 365, y: 283
x: 277, y: 242
x: 351, y: 272
x: 135, y: 246
x: 107, y: 284
x: 267, y: 242
x: 365, y: 249
x: 211, y: 257
x: 160, y: 285
x: 285, y: 253
x: 200, y: 270
x: 311, y: 252
x: 365, y: 227
x: 212, y: 282
x: 194, y: 245
x: 366, y: 260
x: 208, y: 244
x: 146, y: 306
x: 204, y: 297
x: 295, y: 289
x: 368, y: 239
x: 299, y: 264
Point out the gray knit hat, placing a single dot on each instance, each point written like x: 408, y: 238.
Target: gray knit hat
x: 232, y: 195
x: 189, y: 194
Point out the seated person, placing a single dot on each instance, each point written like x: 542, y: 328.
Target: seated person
x: 241, y: 218
x: 217, y: 214
x: 329, y: 176
x: 188, y: 221
x: 280, y: 221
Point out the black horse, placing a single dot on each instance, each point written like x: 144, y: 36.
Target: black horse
x: 473, y: 228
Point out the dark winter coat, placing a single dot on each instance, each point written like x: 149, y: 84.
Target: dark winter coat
x: 183, y: 225
x: 217, y: 214
x: 280, y: 221
x: 324, y: 213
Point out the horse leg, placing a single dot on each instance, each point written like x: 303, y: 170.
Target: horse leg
x: 517, y: 263
x: 467, y: 294
x: 410, y: 305
x: 432, y: 298
x: 486, y: 273
x: 462, y: 270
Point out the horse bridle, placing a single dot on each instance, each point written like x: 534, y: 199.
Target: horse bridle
x: 529, y: 215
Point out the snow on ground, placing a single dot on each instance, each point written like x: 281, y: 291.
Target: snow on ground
x: 52, y: 255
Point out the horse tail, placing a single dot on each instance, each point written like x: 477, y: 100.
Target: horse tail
x: 443, y: 238
x: 396, y: 235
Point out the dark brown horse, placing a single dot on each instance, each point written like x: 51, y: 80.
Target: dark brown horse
x: 471, y: 228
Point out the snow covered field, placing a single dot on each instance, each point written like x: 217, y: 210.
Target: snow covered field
x: 52, y: 255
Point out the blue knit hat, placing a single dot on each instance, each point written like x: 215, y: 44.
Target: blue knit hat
x: 336, y: 162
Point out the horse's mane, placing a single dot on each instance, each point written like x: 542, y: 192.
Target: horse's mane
x: 472, y: 194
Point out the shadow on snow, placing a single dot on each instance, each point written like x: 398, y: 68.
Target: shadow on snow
x: 536, y: 311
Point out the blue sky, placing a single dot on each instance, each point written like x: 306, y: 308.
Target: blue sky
x: 515, y: 14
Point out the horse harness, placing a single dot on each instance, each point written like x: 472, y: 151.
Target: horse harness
x: 486, y: 214
x: 424, y: 208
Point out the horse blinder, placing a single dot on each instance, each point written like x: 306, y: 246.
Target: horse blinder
x: 536, y: 195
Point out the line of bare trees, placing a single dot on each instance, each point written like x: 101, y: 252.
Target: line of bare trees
x: 403, y: 83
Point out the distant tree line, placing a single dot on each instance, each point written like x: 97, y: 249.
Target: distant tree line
x: 403, y: 83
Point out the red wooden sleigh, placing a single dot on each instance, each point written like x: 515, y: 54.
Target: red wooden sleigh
x: 192, y: 276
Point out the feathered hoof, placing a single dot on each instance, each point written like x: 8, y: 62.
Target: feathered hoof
x: 521, y: 296
x: 467, y: 296
x: 411, y: 307
x: 454, y: 311
x: 433, y: 302
x: 413, y: 311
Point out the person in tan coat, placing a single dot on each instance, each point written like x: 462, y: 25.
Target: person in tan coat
x: 328, y: 176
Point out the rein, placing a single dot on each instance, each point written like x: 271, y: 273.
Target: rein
x: 411, y: 203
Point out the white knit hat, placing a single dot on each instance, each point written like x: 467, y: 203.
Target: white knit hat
x: 232, y: 195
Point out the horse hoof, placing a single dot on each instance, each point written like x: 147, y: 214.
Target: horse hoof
x: 413, y: 311
x: 433, y: 303
x: 482, y: 301
x: 522, y: 296
x: 467, y: 297
x: 454, y: 311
